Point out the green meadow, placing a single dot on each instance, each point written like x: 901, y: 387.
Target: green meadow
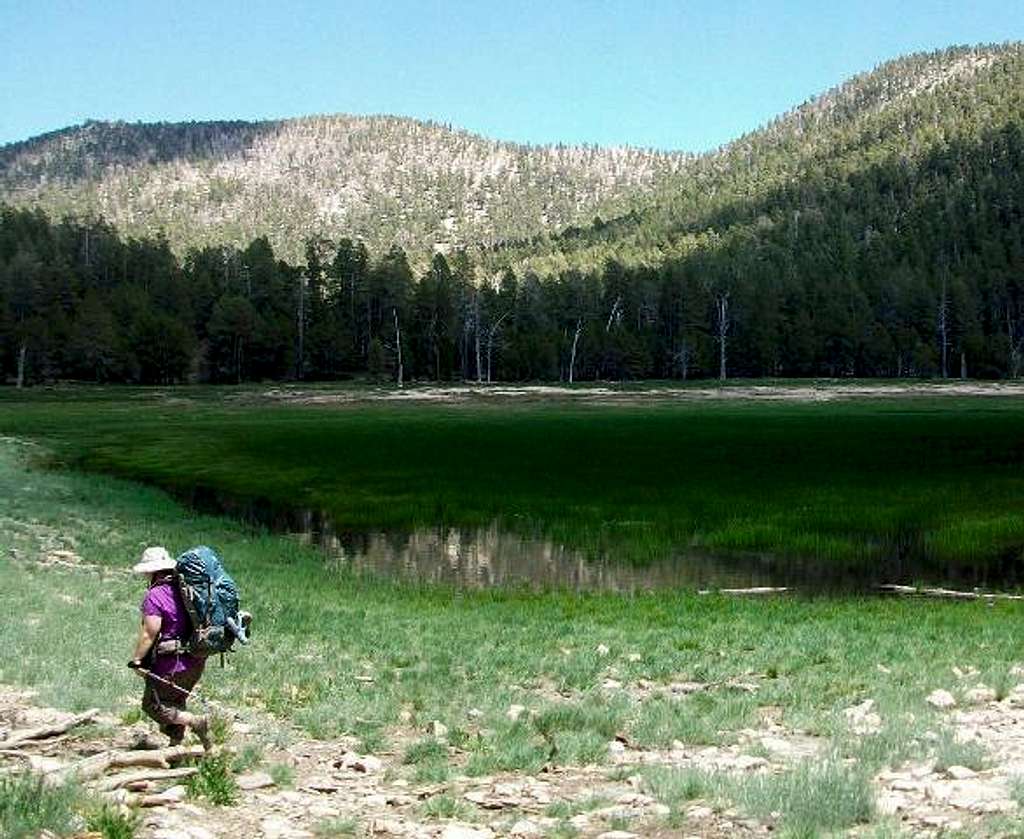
x: 336, y: 654
x: 934, y: 477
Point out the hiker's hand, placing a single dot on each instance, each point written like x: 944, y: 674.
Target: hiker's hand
x: 135, y: 664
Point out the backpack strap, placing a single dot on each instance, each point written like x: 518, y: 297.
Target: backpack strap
x: 186, y: 598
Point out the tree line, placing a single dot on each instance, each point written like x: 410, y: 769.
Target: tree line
x: 787, y: 298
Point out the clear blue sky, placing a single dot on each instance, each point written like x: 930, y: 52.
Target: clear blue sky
x: 672, y: 75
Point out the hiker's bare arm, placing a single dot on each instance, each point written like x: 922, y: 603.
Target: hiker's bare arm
x: 149, y: 629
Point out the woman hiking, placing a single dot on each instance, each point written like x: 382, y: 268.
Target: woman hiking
x: 169, y: 673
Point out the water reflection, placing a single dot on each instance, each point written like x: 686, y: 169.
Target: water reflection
x: 490, y: 557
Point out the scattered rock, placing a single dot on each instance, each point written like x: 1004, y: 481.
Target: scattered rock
x: 515, y: 712
x: 322, y: 784
x: 524, y: 827
x: 616, y: 748
x: 437, y: 729
x: 366, y: 764
x: 602, y: 650
x: 277, y: 827
x: 861, y: 719
x: 42, y: 764
x: 960, y: 773
x: 686, y: 687
x: 749, y: 762
x: 634, y: 799
x: 634, y: 657
x: 461, y: 831
x: 699, y: 813
x: 474, y: 713
x: 254, y: 780
x: 168, y: 833
x: 617, y: 834
x: 980, y: 695
x: 941, y: 699
x: 611, y: 684
x: 387, y: 827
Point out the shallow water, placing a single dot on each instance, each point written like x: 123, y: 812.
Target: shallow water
x: 494, y: 558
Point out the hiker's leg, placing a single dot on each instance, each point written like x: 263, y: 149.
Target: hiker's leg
x: 187, y: 680
x: 158, y: 701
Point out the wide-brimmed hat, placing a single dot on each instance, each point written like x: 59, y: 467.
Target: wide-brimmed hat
x: 153, y: 560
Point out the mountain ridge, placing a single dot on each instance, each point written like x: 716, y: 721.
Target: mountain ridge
x: 420, y: 184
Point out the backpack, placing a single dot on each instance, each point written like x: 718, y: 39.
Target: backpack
x: 211, y: 600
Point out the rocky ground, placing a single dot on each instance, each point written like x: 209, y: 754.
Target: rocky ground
x: 330, y: 789
x: 603, y: 394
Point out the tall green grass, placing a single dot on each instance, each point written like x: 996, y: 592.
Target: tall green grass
x: 882, y: 480
x: 434, y: 653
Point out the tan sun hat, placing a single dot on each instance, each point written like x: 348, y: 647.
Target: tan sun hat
x: 153, y: 560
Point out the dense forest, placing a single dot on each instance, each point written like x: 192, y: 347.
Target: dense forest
x: 877, y: 230
x: 382, y: 180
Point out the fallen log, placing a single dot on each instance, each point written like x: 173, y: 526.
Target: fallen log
x: 129, y: 778
x: 950, y: 594
x: 145, y: 799
x: 101, y: 763
x: 752, y: 590
x: 45, y: 731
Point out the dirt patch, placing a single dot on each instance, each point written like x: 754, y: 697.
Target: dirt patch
x: 330, y: 783
x: 931, y: 798
x: 601, y: 394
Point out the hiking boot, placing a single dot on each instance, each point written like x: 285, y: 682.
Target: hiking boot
x: 201, y: 727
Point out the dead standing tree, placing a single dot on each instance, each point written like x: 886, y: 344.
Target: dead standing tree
x: 400, y: 372
x: 721, y: 300
x: 491, y: 333
x: 575, y: 343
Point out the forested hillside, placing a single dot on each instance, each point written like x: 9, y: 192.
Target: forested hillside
x: 383, y: 180
x: 877, y: 230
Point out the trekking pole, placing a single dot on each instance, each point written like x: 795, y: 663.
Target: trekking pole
x: 189, y: 694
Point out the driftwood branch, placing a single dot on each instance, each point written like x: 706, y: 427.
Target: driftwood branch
x: 947, y: 593
x: 45, y: 731
x: 96, y: 765
x: 130, y: 778
x: 753, y: 590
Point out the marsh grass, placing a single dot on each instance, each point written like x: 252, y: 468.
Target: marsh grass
x: 427, y: 750
x: 447, y: 807
x: 441, y: 653
x: 247, y: 758
x: 341, y: 826
x: 949, y: 751
x: 703, y: 718
x: 813, y: 799
x: 29, y: 806
x: 282, y: 774
x: 676, y: 787
x: 220, y: 728
x: 113, y: 822
x: 841, y: 482
x: 214, y: 781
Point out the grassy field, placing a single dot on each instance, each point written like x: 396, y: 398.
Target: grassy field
x: 870, y: 479
x: 338, y: 655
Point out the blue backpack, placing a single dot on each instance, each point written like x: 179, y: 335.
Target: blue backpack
x: 211, y: 600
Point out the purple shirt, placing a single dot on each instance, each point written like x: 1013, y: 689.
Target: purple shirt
x: 164, y: 601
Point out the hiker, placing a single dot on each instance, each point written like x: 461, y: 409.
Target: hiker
x: 170, y: 674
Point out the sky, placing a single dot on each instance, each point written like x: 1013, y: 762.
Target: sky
x: 678, y: 75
